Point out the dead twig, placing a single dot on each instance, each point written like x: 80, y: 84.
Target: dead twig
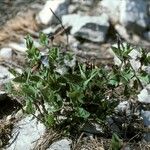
x: 62, y: 27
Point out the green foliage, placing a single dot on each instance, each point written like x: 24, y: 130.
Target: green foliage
x: 57, y: 85
x: 115, y: 142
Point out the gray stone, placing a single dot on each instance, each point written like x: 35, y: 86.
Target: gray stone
x: 133, y: 15
x: 92, y: 128
x: 64, y: 144
x: 146, y: 119
x: 111, y: 7
x: 144, y: 96
x: 27, y: 131
x: 18, y: 47
x: 6, y: 53
x: 123, y: 107
x: 92, y: 28
x: 147, y: 35
x: 59, y: 7
x: 84, y: 2
x: 5, y: 75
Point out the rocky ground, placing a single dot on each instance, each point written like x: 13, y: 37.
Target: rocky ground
x: 92, y: 26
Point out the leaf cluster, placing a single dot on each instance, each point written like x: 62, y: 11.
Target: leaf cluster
x: 66, y: 92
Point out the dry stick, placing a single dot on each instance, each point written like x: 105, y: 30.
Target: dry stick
x: 13, y: 140
x: 62, y: 27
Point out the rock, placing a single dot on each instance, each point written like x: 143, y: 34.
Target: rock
x: 5, y: 75
x: 18, y: 47
x: 27, y: 131
x: 86, y: 2
x: 6, y: 53
x: 64, y: 144
x: 146, y: 69
x: 113, y: 126
x: 111, y: 8
x: 133, y: 15
x: 92, y: 28
x: 135, y: 54
x: 92, y: 128
x: 144, y: 96
x: 122, y: 31
x: 146, y: 118
x: 147, y: 35
x: 46, y: 17
x: 48, y: 30
x: 123, y: 107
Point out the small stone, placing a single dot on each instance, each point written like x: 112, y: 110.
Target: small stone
x: 133, y: 15
x: 25, y: 140
x: 45, y: 16
x: 146, y: 119
x: 144, y: 96
x: 92, y: 128
x: 64, y: 144
x: 48, y: 30
x: 135, y: 54
x: 6, y: 53
x: 18, y: 47
x: 111, y: 7
x: 5, y: 75
x: 123, y: 107
x: 92, y: 28
x: 147, y: 35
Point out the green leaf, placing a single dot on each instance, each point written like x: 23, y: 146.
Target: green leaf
x: 73, y: 78
x: 127, y: 75
x: 54, y: 53
x: 20, y: 79
x: 115, y: 142
x: 92, y: 75
x: 29, y: 90
x: 43, y: 39
x: 49, y: 120
x: 35, y: 78
x: 82, y: 71
x: 29, y: 42
x: 144, y: 78
x: 29, y: 107
x: 81, y: 112
x: 117, y: 52
x: 14, y: 72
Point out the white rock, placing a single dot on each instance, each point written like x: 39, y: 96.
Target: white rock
x: 122, y: 31
x: 93, y: 28
x: 123, y: 107
x: 135, y: 54
x: 133, y: 14
x: 135, y: 64
x: 5, y: 75
x: 29, y: 130
x: 63, y: 144
x: 60, y: 7
x: 86, y: 2
x: 48, y: 30
x: 146, y: 69
x: 19, y: 47
x: 6, y: 53
x: 144, y: 95
x: 77, y: 21
x: 111, y: 7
